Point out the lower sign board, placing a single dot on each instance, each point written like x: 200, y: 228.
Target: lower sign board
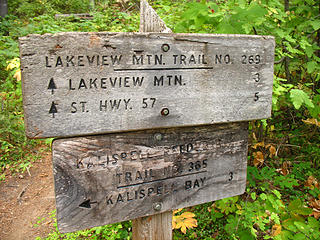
x: 116, y: 177
x: 92, y: 83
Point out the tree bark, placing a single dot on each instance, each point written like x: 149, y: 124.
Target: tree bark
x: 286, y: 5
x: 3, y: 8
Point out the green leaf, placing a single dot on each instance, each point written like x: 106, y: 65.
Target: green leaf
x: 253, y: 196
x: 280, y: 32
x: 225, y: 27
x: 298, y: 97
x: 246, y: 235
x: 289, y: 38
x: 314, y: 223
x: 315, y: 112
x: 315, y: 24
x: 256, y: 10
x: 277, y: 193
x: 309, y: 51
x: 263, y: 196
x: 297, y: 206
x: 311, y: 66
x: 242, y: 3
x: 286, y: 234
x: 302, y: 227
x: 299, y: 236
x: 218, y: 215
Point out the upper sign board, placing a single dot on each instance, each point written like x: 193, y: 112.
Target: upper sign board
x: 91, y: 83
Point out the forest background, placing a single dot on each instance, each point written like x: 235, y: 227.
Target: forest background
x: 282, y: 199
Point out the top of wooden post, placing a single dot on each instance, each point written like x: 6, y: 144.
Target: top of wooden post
x: 150, y: 21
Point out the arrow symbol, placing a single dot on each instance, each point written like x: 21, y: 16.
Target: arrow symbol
x: 52, y: 85
x: 86, y: 204
x: 53, y: 109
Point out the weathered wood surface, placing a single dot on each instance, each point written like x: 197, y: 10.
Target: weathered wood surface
x: 155, y: 227
x: 120, y: 176
x: 91, y: 83
x: 150, y: 20
x: 79, y: 15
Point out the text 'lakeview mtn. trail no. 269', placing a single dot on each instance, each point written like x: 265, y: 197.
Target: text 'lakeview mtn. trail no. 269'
x: 90, y: 83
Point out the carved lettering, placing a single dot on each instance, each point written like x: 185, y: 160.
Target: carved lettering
x: 114, y: 104
x: 147, y: 59
x: 146, y: 191
x: 193, y: 184
x: 110, y: 82
x: 83, y: 60
x: 184, y: 59
x: 168, y: 80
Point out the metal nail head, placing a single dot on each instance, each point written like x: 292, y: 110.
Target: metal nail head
x: 157, y: 206
x: 158, y: 136
x: 165, y: 47
x: 165, y: 112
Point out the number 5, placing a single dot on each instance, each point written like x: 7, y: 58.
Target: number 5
x: 256, y: 97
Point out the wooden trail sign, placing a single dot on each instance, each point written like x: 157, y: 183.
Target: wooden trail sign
x: 116, y: 177
x: 91, y: 83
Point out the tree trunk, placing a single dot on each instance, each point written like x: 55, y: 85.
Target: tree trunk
x: 286, y: 5
x: 3, y: 8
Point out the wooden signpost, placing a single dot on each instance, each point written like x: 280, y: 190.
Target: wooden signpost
x: 157, y: 96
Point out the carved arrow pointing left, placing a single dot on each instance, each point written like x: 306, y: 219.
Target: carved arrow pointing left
x: 86, y: 204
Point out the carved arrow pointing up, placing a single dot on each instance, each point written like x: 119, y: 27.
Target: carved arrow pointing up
x: 52, y: 85
x: 53, y: 109
x: 86, y: 204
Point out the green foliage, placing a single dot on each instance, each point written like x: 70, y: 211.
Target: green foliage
x: 264, y: 213
x: 111, y: 232
x: 15, y: 149
x: 277, y: 203
x: 33, y: 8
x: 299, y: 97
x: 13, y: 143
x: 295, y: 30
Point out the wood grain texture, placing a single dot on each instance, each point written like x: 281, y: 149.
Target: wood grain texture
x: 116, y: 177
x: 199, y: 78
x: 155, y: 227
x: 150, y: 20
x: 158, y: 226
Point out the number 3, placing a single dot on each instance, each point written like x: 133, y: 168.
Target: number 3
x: 256, y: 77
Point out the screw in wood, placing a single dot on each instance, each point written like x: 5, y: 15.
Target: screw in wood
x: 165, y: 47
x: 157, y: 206
x: 158, y: 136
x: 165, y: 112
